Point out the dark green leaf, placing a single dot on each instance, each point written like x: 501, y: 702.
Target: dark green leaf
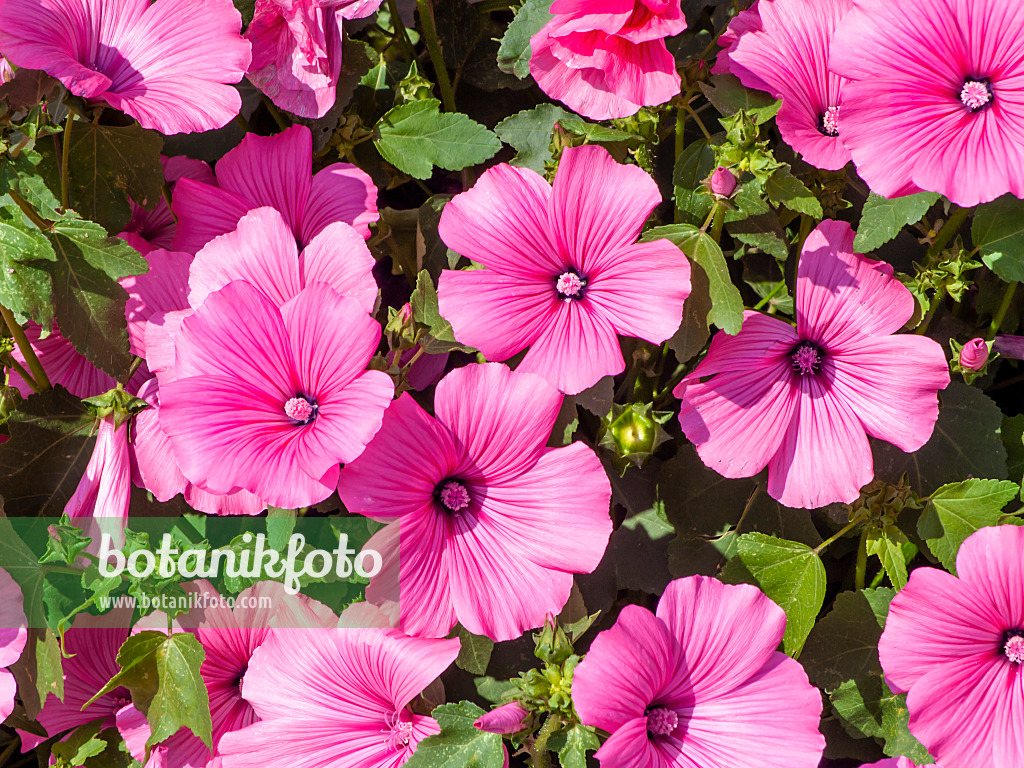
x: 23, y: 176
x: 729, y: 96
x: 965, y: 443
x: 415, y: 137
x: 23, y: 565
x: 82, y: 744
x: 726, y: 302
x: 109, y: 164
x: 844, y: 644
x: 425, y: 311
x: 24, y: 287
x: 693, y: 331
x: 791, y: 574
x: 49, y: 668
x: 998, y: 231
x: 783, y: 188
x: 696, y: 162
x: 475, y: 653
x: 957, y: 510
x: 529, y: 133
x: 459, y: 745
x: 869, y: 709
x: 514, y: 53
x: 883, y: 219
x: 89, y: 302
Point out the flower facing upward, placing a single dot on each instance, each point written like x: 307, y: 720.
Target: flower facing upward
x: 935, y: 98
x: 787, y: 55
x: 803, y: 400
x: 169, y: 64
x: 699, y: 684
x: 564, y: 274
x: 232, y: 404
x: 956, y: 645
x: 481, y: 505
x: 339, y: 699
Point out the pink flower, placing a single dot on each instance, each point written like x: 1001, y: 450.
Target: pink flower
x: 481, y: 504
x: 262, y: 251
x: 274, y: 171
x: 974, y: 354
x: 934, y: 99
x: 700, y: 684
x: 564, y: 274
x: 508, y: 718
x: 270, y: 399
x: 170, y: 65
x: 956, y: 645
x: 296, y: 50
x: 742, y: 23
x: 340, y: 699
x: 607, y: 58
x: 155, y: 228
x: 101, y: 500
x: 802, y: 401
x: 787, y: 55
x: 13, y: 636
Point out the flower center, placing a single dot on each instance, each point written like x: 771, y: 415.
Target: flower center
x: 828, y: 123
x: 452, y: 494
x: 570, y: 285
x: 661, y: 721
x: 976, y: 94
x: 806, y: 357
x: 1013, y: 645
x: 301, y: 410
x: 399, y: 732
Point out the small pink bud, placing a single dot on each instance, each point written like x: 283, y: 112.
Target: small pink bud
x: 508, y: 718
x: 405, y: 313
x: 974, y: 354
x: 6, y: 72
x: 723, y: 182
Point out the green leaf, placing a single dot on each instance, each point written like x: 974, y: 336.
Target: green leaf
x: 653, y: 521
x: 998, y: 231
x: 593, y: 132
x: 696, y: 162
x: 965, y: 443
x: 788, y: 572
x: 65, y: 544
x: 726, y: 302
x: 459, y: 745
x: 22, y: 175
x: 783, y: 188
x: 887, y: 545
x: 579, y: 740
x: 883, y: 219
x: 109, y: 164
x: 844, y: 644
x: 23, y: 565
x: 89, y: 302
x: 162, y: 673
x: 47, y: 453
x: 24, y: 287
x: 280, y: 525
x: 529, y: 133
x: 957, y: 510
x: 475, y: 653
x: 729, y: 96
x: 869, y: 709
x: 49, y: 668
x: 693, y: 332
x: 82, y: 744
x: 415, y: 137
x: 425, y: 311
x: 492, y: 690
x: 514, y: 53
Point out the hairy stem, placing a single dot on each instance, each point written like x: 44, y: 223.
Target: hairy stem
x: 956, y: 218
x: 426, y: 9
x: 65, y: 160
x: 1000, y: 315
x: 18, y: 334
x: 540, y: 756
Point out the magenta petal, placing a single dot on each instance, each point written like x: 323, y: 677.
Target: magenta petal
x: 204, y: 211
x: 631, y: 747
x: 508, y: 718
x: 503, y: 418
x: 163, y: 289
x: 991, y: 563
x: 13, y: 625
x: 340, y: 192
x: 155, y: 465
x: 8, y: 691
x: 104, y: 491
x: 338, y: 256
x: 63, y: 365
x: 840, y: 294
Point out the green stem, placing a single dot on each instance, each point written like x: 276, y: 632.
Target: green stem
x: 426, y: 9
x: 1000, y: 315
x: 29, y: 211
x: 926, y: 320
x: 719, y: 220
x: 401, y: 33
x: 17, y: 367
x: 540, y: 756
x: 862, y: 560
x: 949, y: 229
x: 275, y: 113
x: 775, y: 292
x: 18, y: 334
x: 700, y: 123
x: 838, y: 534
x: 65, y: 160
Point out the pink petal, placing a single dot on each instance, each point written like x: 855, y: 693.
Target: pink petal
x: 631, y: 747
x: 63, y: 365
x: 340, y: 192
x: 163, y: 289
x: 204, y: 211
x: 8, y: 690
x: 13, y: 625
x: 338, y: 256
x: 160, y: 335
x: 503, y: 418
x: 990, y: 561
x: 841, y: 294
x: 104, y: 491
x: 508, y: 718
x: 155, y: 467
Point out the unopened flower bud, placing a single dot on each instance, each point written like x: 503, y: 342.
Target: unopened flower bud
x: 508, y: 718
x: 723, y: 182
x: 974, y: 354
x: 6, y: 71
x: 553, y: 645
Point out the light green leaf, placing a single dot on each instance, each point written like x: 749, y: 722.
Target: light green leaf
x: 529, y: 133
x: 425, y: 311
x: 695, y: 163
x: 998, y: 231
x: 883, y: 219
x: 957, y: 510
x: 579, y: 740
x: 653, y: 521
x: 887, y: 545
x: 726, y: 302
x: 49, y: 668
x: 868, y: 708
x: 459, y: 745
x: 415, y: 137
x: 783, y: 188
x: 514, y: 53
x: 788, y: 572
